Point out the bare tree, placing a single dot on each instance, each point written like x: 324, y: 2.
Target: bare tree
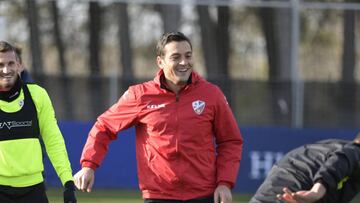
x: 94, y: 39
x: 58, y: 37
x: 276, y: 26
x: 65, y: 81
x: 349, y: 56
x: 35, y: 43
x: 95, y: 82
x: 215, y: 40
x: 347, y: 92
x: 127, y: 75
x: 215, y: 45
x: 208, y: 41
x: 170, y: 15
x: 223, y: 38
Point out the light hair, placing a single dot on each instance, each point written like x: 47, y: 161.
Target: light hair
x: 6, y: 47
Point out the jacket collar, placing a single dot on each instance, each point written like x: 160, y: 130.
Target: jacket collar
x: 160, y: 79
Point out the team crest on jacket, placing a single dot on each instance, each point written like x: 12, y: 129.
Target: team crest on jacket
x: 198, y: 106
x: 21, y: 103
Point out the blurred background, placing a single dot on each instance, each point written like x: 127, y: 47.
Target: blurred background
x: 280, y: 63
x: 283, y: 64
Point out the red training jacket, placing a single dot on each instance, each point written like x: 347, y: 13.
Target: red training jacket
x: 186, y: 144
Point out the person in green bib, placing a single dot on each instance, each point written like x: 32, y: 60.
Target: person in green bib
x: 26, y: 116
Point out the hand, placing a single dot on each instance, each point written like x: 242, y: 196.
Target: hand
x: 69, y: 192
x: 222, y: 194
x: 84, y: 179
x: 303, y: 196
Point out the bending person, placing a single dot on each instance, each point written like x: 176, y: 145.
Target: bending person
x: 327, y: 171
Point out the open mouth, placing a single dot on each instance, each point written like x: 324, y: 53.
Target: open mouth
x: 6, y: 76
x: 182, y: 70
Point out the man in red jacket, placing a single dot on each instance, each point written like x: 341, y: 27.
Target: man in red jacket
x: 188, y: 144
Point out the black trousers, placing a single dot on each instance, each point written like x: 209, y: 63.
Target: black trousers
x: 31, y: 194
x: 202, y: 200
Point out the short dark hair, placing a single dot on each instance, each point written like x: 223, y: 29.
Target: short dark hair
x: 6, y: 46
x: 170, y: 37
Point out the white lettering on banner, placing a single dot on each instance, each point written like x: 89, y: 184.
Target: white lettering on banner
x: 261, y: 163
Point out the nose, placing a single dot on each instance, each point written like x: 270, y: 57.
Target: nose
x: 5, y: 69
x: 183, y: 61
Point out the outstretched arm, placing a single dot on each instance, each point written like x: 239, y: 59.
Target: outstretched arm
x: 303, y: 196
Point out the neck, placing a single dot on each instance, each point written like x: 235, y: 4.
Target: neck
x: 175, y: 87
x: 10, y: 94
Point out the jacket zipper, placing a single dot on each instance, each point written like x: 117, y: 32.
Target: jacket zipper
x: 177, y: 140
x: 177, y: 97
x: 177, y: 121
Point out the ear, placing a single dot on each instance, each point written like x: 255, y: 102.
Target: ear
x: 21, y: 67
x: 159, y: 62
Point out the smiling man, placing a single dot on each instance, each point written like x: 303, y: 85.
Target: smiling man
x: 9, y: 67
x: 26, y: 116
x: 188, y: 143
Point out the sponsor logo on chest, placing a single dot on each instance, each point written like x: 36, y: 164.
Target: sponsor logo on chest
x: 155, y: 106
x: 198, y: 106
x: 15, y: 124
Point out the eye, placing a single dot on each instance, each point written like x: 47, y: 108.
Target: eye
x: 11, y: 63
x: 175, y: 58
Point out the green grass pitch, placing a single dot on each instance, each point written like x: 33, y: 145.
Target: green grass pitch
x: 124, y: 196
x: 115, y: 196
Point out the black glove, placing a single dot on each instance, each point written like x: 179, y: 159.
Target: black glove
x: 69, y: 192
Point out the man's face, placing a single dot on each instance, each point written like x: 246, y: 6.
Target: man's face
x: 9, y: 70
x: 177, y: 62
